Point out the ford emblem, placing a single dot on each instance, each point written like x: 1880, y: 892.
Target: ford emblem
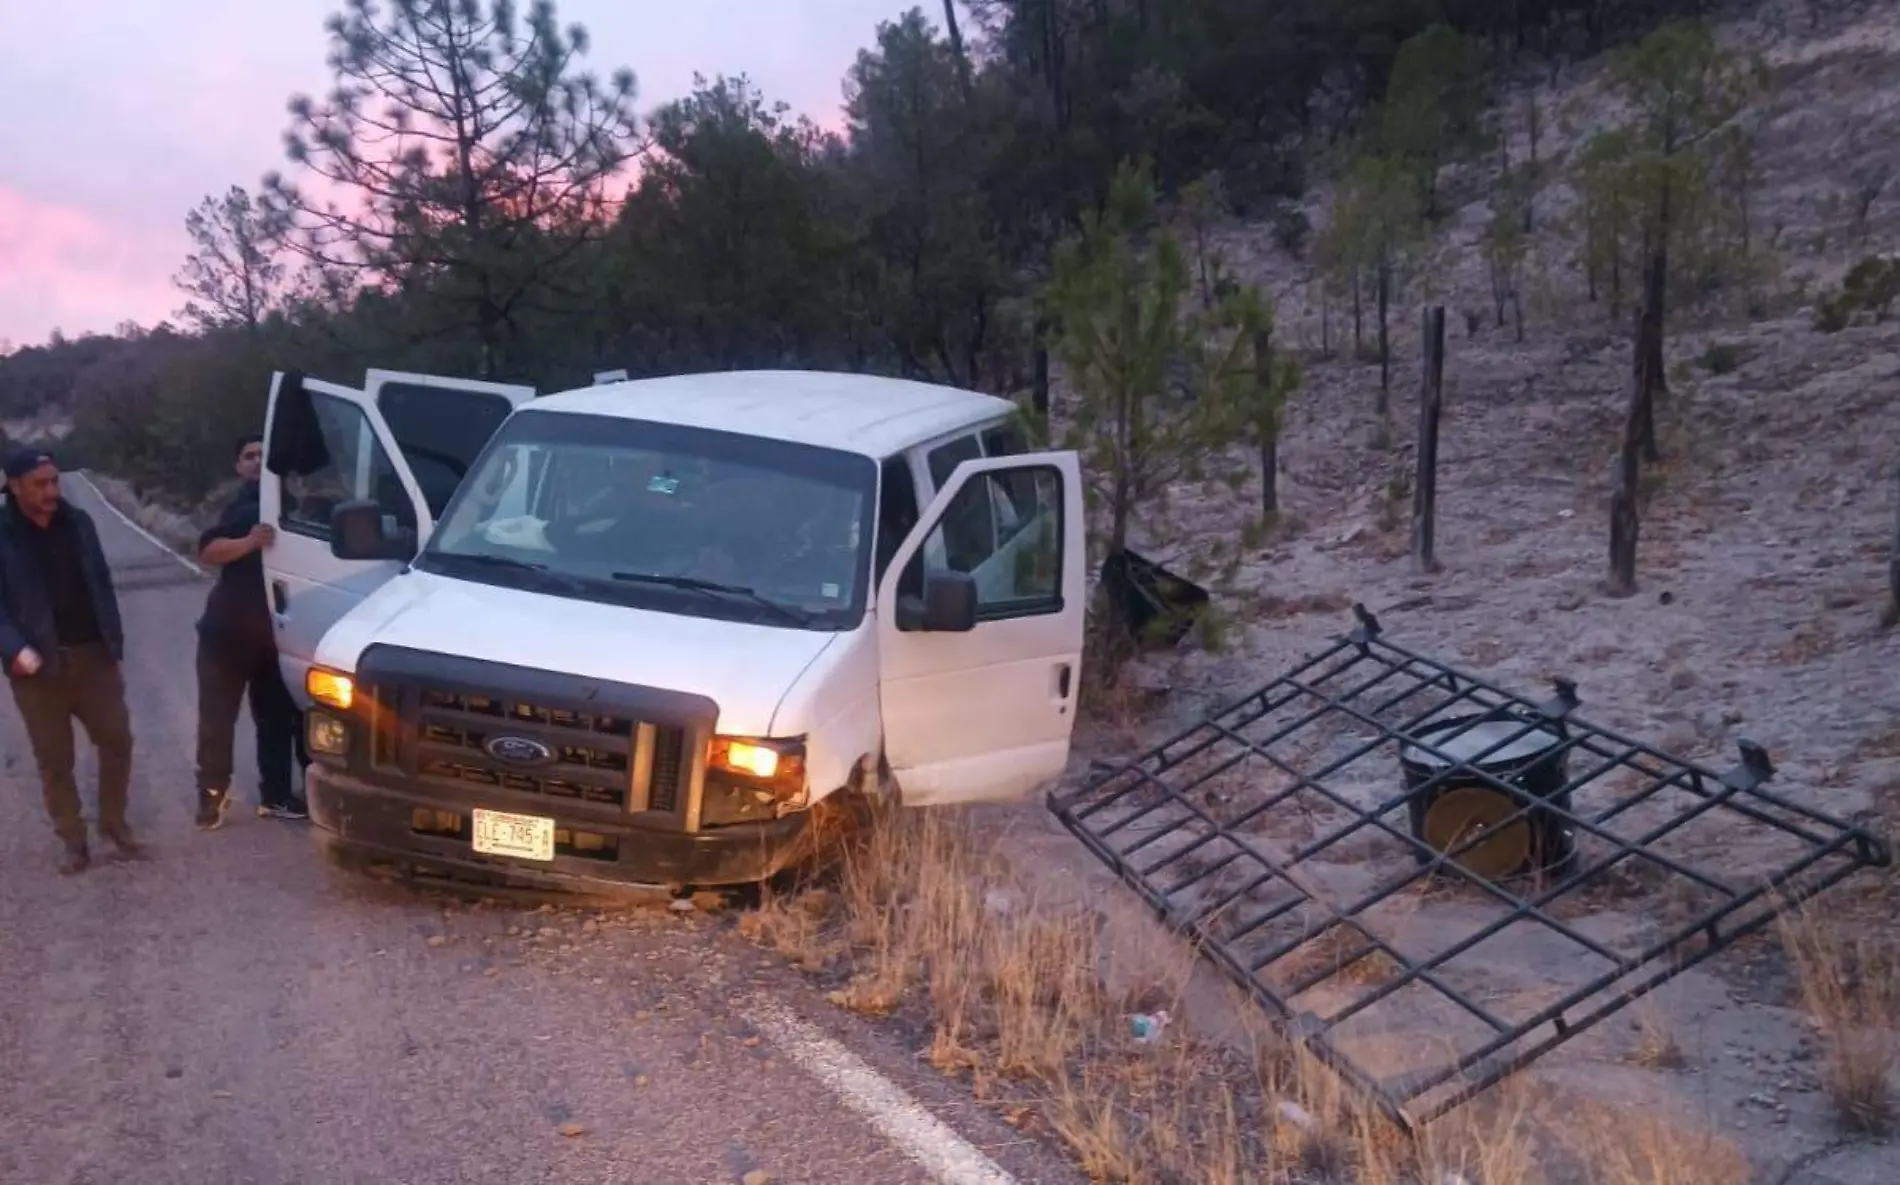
x: 518, y: 750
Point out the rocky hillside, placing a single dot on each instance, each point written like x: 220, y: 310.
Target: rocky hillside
x: 1762, y: 567
x: 1765, y: 540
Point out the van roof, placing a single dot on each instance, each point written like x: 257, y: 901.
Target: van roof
x: 859, y: 413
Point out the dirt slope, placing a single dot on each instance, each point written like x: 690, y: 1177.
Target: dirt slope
x: 1762, y: 561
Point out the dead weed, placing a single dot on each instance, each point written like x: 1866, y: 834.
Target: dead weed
x: 1850, y: 986
x: 1020, y: 999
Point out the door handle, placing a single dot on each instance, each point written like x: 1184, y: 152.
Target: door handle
x: 279, y: 598
x: 1064, y: 675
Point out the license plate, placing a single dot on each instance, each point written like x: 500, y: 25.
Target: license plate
x: 528, y: 837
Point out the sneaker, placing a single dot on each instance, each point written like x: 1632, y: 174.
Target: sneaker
x: 211, y: 807
x: 290, y: 808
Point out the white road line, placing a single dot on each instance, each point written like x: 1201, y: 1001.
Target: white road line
x: 902, y: 1120
x: 125, y: 518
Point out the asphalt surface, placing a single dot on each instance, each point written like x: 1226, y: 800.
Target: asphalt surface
x: 233, y: 1009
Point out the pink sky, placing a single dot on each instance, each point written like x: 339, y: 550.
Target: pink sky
x: 140, y: 109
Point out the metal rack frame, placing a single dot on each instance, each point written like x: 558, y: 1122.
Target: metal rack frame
x: 1155, y: 820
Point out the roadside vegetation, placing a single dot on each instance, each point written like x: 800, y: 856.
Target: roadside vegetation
x: 927, y: 927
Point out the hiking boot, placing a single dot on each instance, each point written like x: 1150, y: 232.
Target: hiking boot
x: 291, y: 808
x: 77, y: 860
x: 211, y: 807
x: 124, y: 843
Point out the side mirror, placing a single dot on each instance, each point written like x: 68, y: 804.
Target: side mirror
x: 357, y: 532
x: 948, y: 605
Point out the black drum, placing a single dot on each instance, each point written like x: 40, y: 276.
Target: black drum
x: 1534, y: 765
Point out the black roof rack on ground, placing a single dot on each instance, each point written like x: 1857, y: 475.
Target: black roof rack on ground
x: 1429, y: 881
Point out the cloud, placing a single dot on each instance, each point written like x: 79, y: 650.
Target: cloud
x: 139, y: 110
x: 65, y: 268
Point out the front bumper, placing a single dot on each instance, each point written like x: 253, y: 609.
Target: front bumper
x: 366, y: 819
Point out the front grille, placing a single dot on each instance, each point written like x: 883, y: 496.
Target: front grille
x: 595, y: 755
x: 520, y: 711
x: 669, y: 769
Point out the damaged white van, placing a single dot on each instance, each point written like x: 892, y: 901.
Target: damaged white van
x: 635, y: 633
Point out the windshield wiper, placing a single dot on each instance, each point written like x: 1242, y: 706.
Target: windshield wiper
x: 790, y: 613
x: 491, y: 561
x: 486, y: 560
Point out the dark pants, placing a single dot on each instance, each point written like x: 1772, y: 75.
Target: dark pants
x: 225, y: 674
x: 82, y: 683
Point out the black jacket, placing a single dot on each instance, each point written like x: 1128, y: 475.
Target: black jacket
x: 26, y: 612
x: 237, y: 616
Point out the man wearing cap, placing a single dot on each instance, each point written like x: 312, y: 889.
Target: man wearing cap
x: 62, y: 642
x: 237, y: 656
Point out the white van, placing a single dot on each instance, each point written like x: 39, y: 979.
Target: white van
x: 636, y: 632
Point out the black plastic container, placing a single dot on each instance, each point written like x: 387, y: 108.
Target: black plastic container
x: 1157, y: 606
x: 1532, y: 764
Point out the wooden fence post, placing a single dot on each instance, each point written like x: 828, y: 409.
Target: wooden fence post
x: 1431, y: 404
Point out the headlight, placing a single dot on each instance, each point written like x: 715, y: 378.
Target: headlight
x: 330, y: 688
x: 325, y: 735
x: 763, y: 760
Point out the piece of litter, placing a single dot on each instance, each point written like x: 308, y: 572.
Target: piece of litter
x: 681, y: 905
x: 1294, y: 1114
x: 571, y: 1130
x: 1146, y: 1026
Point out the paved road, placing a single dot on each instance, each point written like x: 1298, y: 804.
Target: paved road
x: 235, y: 1011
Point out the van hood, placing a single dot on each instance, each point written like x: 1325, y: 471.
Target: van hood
x: 745, y: 668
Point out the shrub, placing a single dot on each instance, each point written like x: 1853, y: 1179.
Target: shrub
x: 1722, y: 358
x: 1291, y: 228
x: 1870, y: 287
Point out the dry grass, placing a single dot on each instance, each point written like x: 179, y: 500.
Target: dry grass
x: 1850, y: 986
x: 1656, y: 1046
x: 1016, y: 997
x: 1635, y: 1146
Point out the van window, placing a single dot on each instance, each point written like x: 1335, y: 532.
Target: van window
x: 1003, y: 440
x: 1018, y: 571
x: 1015, y: 500
x: 969, y: 527
x: 665, y: 517
x: 356, y: 467
x: 897, y: 510
x: 945, y: 458
x: 440, y: 432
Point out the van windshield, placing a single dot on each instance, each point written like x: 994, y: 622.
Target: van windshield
x: 678, y: 519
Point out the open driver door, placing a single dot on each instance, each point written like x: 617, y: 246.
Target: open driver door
x: 980, y: 620
x: 403, y: 441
